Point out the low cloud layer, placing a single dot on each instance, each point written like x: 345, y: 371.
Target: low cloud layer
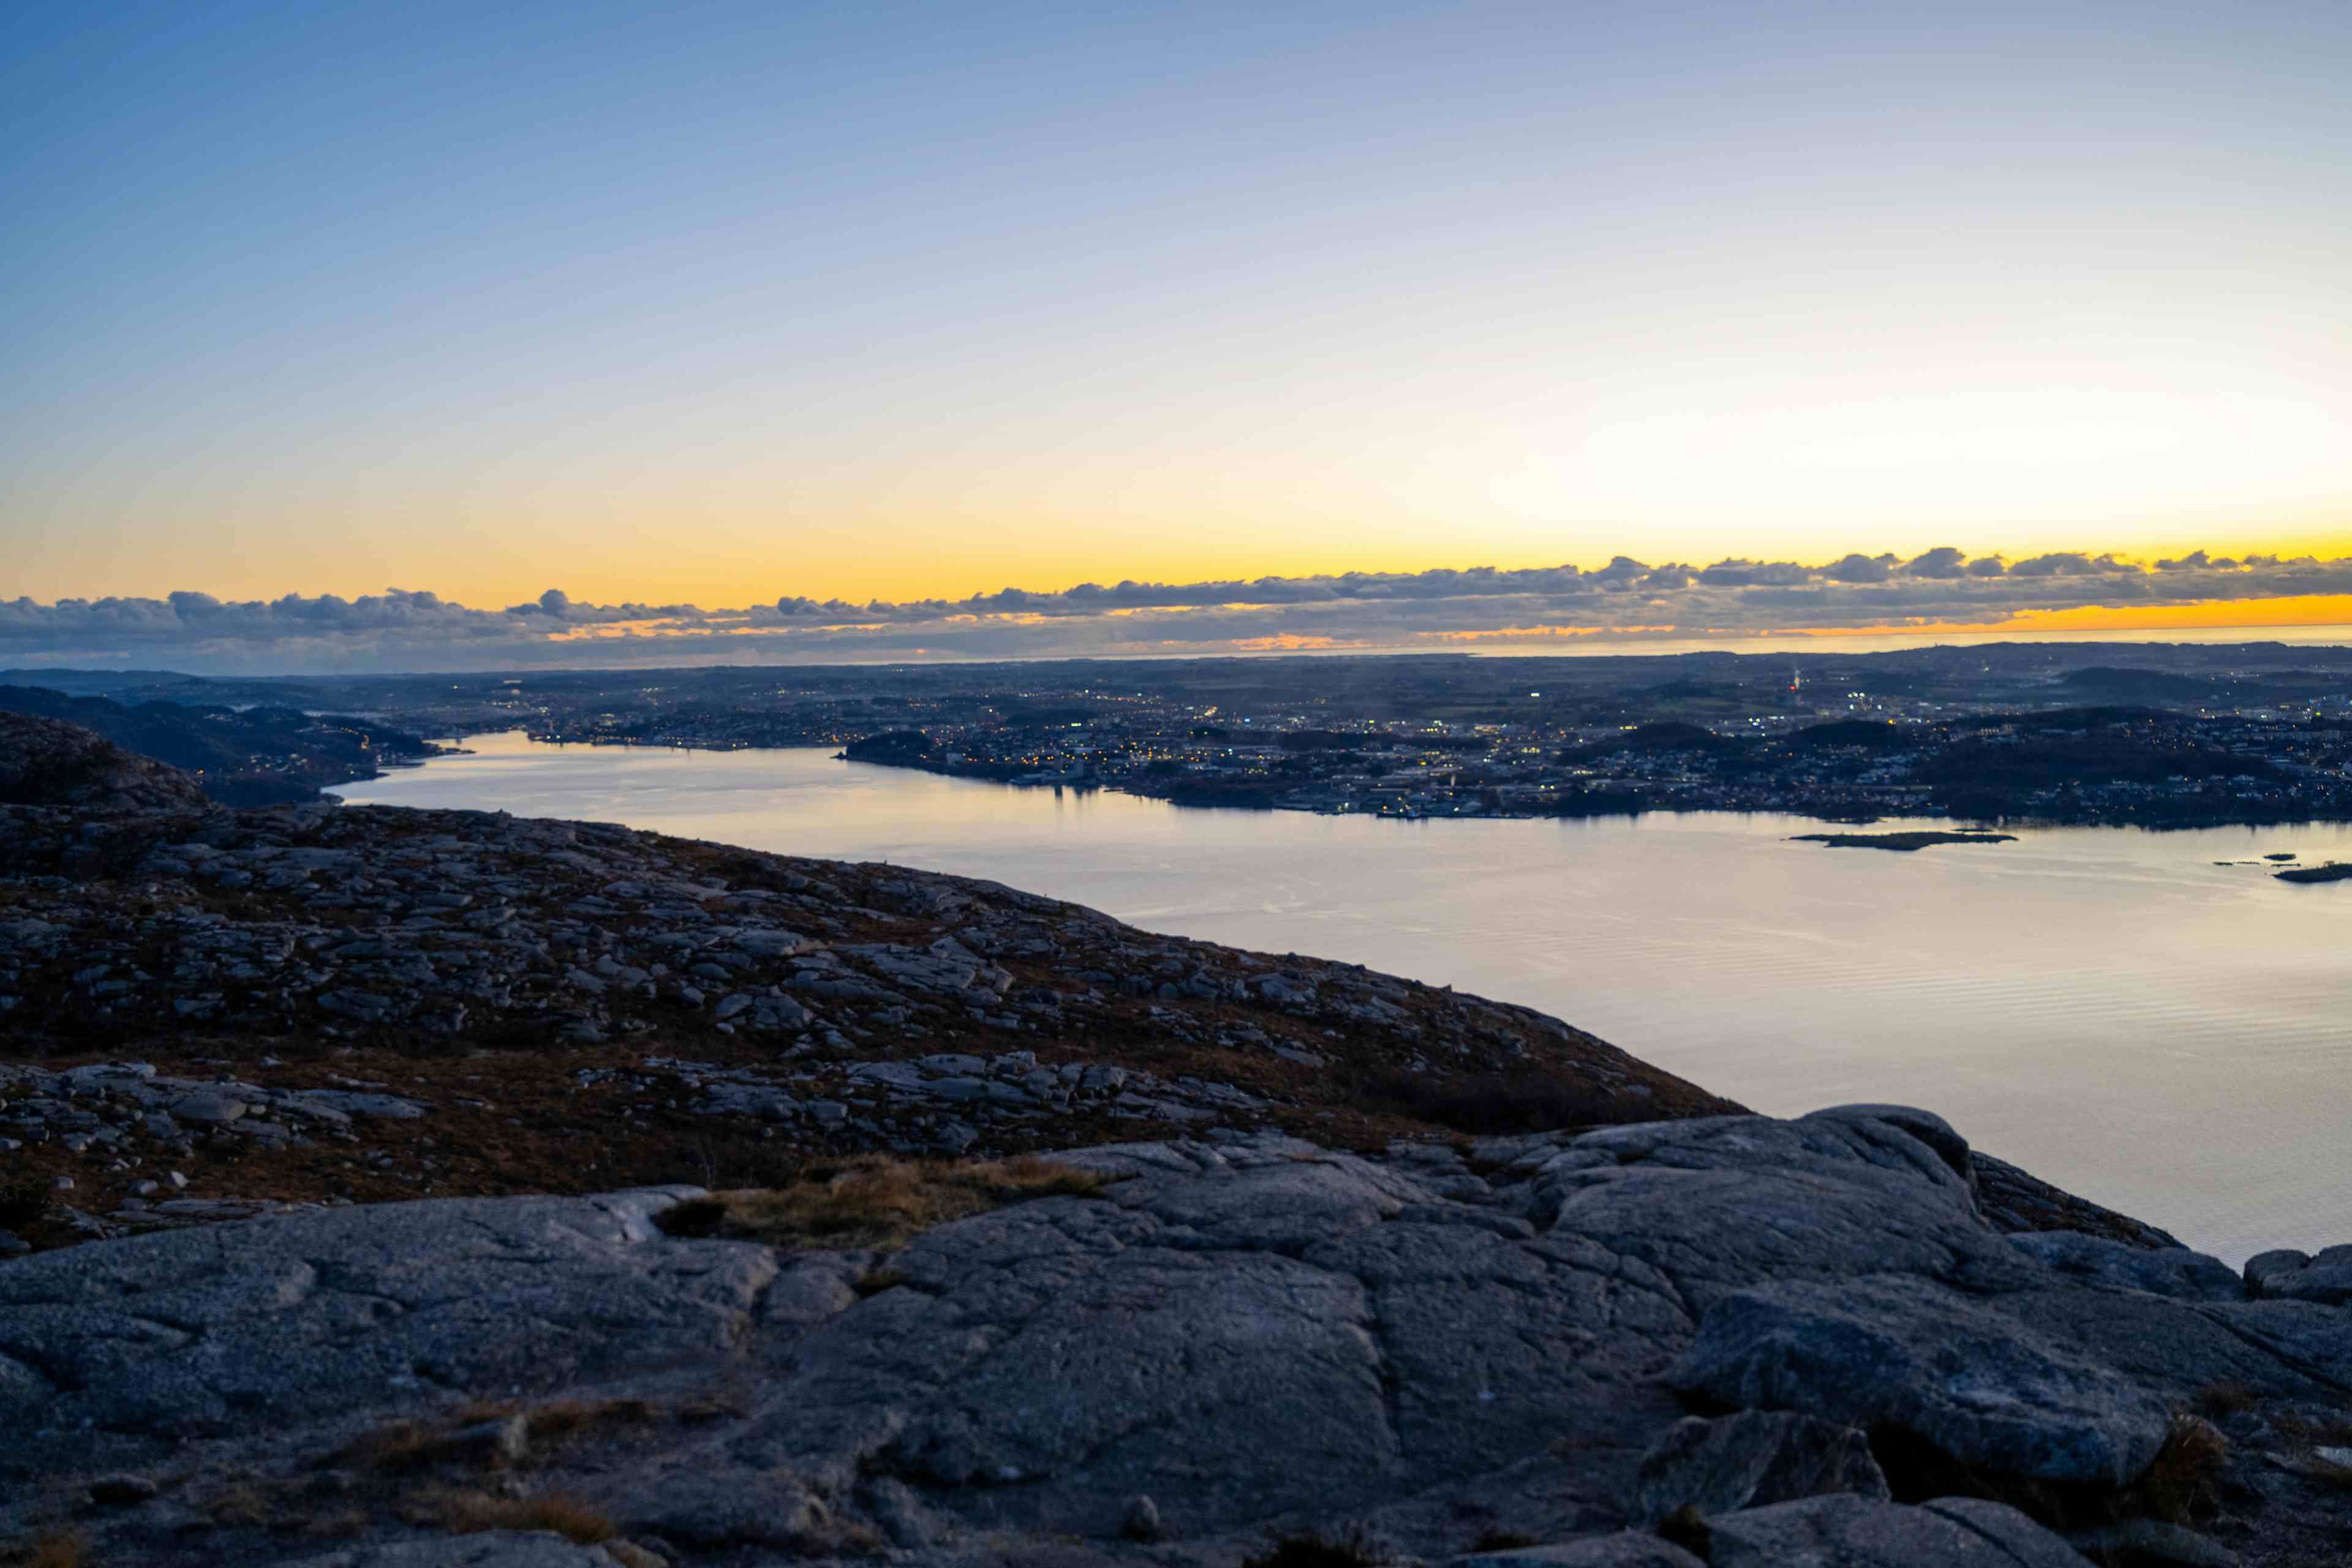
x: 1477, y: 606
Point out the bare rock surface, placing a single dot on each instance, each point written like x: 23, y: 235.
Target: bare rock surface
x: 1902, y: 1351
x: 1258, y: 1334
x: 187, y: 1333
x: 1754, y: 1459
x: 1856, y: 1532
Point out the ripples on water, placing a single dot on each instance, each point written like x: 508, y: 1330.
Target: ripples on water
x: 2106, y: 1007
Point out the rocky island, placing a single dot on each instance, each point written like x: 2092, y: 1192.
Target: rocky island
x: 1904, y: 843
x: 597, y: 1198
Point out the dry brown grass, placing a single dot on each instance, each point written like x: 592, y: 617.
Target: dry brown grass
x: 406, y: 1446
x: 395, y: 1445
x: 2220, y: 1399
x: 2184, y: 1480
x: 561, y: 1418
x: 1494, y: 1538
x: 341, y: 1524
x: 58, y: 1548
x: 726, y: 1404
x: 1686, y: 1528
x: 875, y: 1201
x: 471, y: 1512
x: 1352, y: 1547
x: 238, y: 1505
x: 2318, y: 1432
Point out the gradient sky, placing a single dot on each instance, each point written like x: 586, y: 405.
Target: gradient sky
x: 724, y: 303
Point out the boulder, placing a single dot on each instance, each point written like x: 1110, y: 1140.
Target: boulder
x: 1723, y: 1203
x: 1905, y: 1351
x: 2327, y: 1279
x: 1752, y: 1459
x: 2173, y: 1271
x: 1857, y: 1532
x: 2264, y: 1267
x: 1924, y: 1125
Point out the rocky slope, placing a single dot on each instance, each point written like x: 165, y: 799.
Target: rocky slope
x: 203, y: 1013
x: 47, y: 761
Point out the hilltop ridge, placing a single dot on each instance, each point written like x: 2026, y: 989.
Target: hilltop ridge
x: 698, y: 1012
x: 47, y: 762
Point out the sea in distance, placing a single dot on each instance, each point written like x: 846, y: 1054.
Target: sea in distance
x: 2107, y: 1007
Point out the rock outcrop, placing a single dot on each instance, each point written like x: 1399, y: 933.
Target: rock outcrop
x: 47, y: 761
x: 1237, y: 1340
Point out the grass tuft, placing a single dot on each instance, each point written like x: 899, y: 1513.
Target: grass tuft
x: 875, y: 1201
x: 238, y: 1505
x: 472, y: 1512
x: 59, y: 1549
x: 1497, y: 1104
x: 1354, y: 1547
x: 2219, y: 1399
x: 1493, y: 1539
x: 395, y: 1445
x: 1686, y: 1528
x: 2184, y: 1480
x: 23, y: 1202
x: 405, y: 1445
x: 561, y: 1418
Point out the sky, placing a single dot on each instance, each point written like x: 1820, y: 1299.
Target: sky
x: 344, y: 323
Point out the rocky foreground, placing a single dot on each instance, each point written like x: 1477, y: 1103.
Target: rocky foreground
x: 1731, y: 1339
x: 1323, y: 1268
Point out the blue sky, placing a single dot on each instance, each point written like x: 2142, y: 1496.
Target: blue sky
x: 733, y: 302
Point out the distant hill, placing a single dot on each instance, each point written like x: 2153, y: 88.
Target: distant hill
x: 2139, y: 685
x: 252, y: 756
x: 46, y: 762
x: 1667, y: 735
x: 1873, y: 733
x: 132, y: 687
x: 96, y: 682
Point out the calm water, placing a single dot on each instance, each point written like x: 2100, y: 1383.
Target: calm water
x: 2105, y: 1006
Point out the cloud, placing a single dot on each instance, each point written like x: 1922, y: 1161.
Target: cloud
x: 1626, y: 598
x: 1858, y: 568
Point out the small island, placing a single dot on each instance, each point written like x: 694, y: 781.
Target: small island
x: 1903, y: 842
x: 2333, y: 871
